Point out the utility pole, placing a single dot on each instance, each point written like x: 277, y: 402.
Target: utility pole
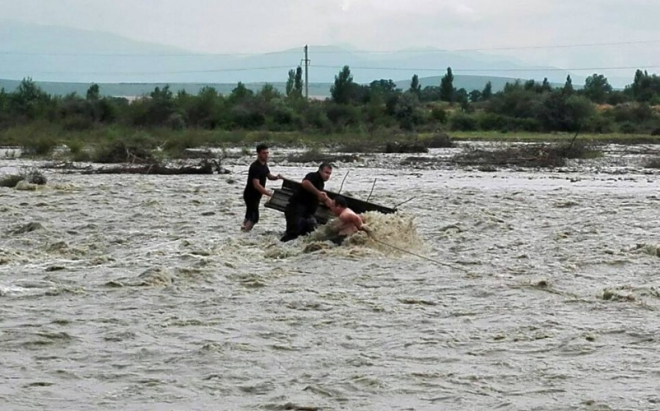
x: 306, y: 73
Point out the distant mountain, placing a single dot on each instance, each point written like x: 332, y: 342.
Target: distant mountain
x: 58, y: 54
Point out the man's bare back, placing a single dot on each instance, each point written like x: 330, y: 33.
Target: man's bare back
x: 349, y: 222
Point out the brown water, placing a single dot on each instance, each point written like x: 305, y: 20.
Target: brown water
x: 141, y: 293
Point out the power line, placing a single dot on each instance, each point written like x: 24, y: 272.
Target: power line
x: 293, y: 51
x: 136, y: 73
x: 190, y: 54
x: 411, y: 69
x: 458, y: 70
x: 557, y: 46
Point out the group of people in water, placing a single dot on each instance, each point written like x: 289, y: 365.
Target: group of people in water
x: 303, y: 204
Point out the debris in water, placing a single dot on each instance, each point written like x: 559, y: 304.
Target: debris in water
x: 28, y: 228
x: 612, y: 295
x: 316, y: 246
x: 25, y: 186
x: 542, y: 284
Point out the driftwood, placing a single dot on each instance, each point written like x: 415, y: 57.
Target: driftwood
x: 534, y: 155
x: 205, y: 167
x: 401, y: 148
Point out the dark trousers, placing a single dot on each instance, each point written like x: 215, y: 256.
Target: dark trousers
x: 338, y: 238
x: 298, y: 222
x: 252, y: 208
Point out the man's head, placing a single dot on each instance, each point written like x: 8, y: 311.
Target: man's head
x: 262, y: 153
x: 325, y: 169
x: 340, y: 202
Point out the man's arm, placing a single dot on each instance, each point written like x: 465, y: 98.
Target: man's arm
x: 355, y: 219
x: 257, y: 185
x: 275, y: 177
x: 359, y: 223
x: 307, y: 185
x: 328, y: 202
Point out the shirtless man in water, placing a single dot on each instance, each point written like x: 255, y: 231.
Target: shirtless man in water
x: 349, y: 222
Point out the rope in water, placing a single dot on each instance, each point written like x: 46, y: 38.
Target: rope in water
x: 417, y: 255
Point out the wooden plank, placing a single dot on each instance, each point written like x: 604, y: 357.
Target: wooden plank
x: 281, y: 197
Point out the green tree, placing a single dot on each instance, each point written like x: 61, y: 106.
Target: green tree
x: 530, y: 85
x: 407, y: 111
x: 29, y: 100
x: 203, y: 110
x: 298, y: 83
x: 290, y: 83
x: 269, y: 93
x: 462, y: 97
x: 560, y: 112
x: 597, y: 88
x: 342, y: 89
x: 568, y: 86
x: 447, y: 86
x: 545, y: 86
x: 240, y: 94
x: 475, y: 96
x: 379, y: 91
x: 487, y: 93
x: 4, y: 101
x: 93, y: 92
x: 645, y: 88
x: 415, y: 87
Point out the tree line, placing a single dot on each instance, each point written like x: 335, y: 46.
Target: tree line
x: 521, y: 106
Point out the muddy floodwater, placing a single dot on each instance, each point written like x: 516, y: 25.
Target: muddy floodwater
x: 141, y: 293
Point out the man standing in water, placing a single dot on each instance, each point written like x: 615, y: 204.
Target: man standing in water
x: 299, y: 213
x: 256, y: 187
x: 349, y: 222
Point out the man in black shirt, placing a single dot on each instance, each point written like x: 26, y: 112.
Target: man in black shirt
x: 256, y: 187
x: 303, y: 204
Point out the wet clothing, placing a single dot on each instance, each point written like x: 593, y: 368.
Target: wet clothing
x: 338, y: 238
x: 305, y: 201
x: 300, y: 210
x: 297, y: 223
x: 252, y: 208
x: 251, y: 196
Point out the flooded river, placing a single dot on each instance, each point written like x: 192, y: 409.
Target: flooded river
x: 141, y: 293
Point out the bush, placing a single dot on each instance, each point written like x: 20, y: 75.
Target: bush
x: 628, y: 127
x: 441, y: 140
x: 463, y: 122
x: 246, y: 117
x: 40, y: 146
x: 76, y: 146
x: 492, y: 122
x: 600, y: 124
x: 342, y: 115
x: 439, y: 114
x: 532, y: 155
x: 176, y: 122
x: 122, y: 152
x: 36, y: 177
x: 361, y: 147
x: 77, y: 123
x: 406, y: 148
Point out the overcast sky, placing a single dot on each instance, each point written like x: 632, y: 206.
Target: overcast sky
x: 270, y: 25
